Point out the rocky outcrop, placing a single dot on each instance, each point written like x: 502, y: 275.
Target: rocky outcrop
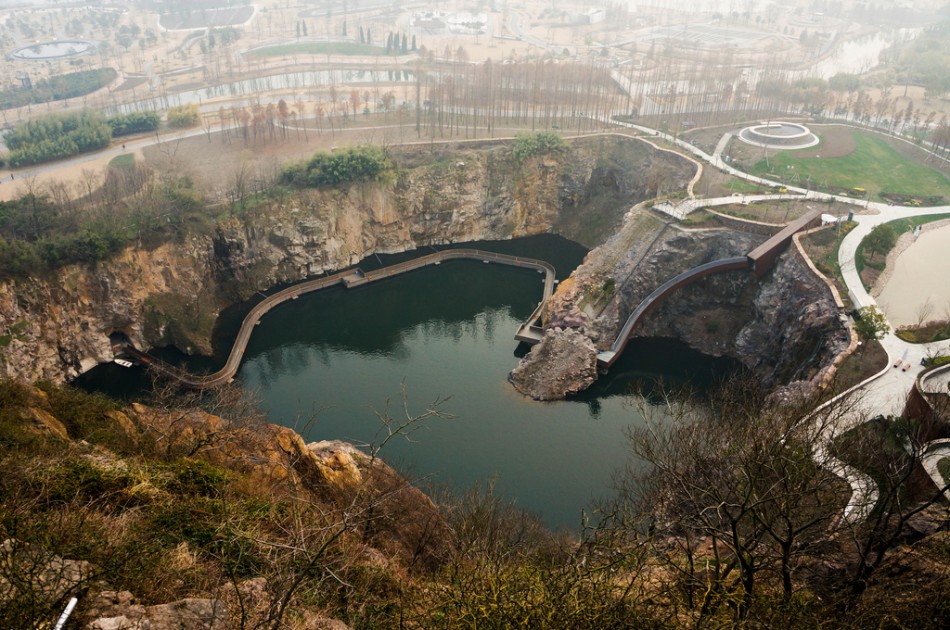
x: 111, y: 610
x: 58, y: 327
x: 784, y: 327
x: 565, y: 362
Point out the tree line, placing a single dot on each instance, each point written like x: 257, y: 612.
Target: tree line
x: 47, y: 229
x: 71, y: 85
x: 57, y: 136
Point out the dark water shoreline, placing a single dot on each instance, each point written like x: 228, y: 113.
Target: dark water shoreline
x: 329, y: 361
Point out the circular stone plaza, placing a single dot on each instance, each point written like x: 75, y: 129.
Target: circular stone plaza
x: 779, y: 135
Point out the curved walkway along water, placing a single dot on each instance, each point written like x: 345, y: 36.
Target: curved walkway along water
x: 882, y: 394
x: 349, y: 278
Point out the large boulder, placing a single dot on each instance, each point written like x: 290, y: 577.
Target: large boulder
x: 565, y: 362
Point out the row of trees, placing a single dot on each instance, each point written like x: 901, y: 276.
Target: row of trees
x: 71, y: 85
x: 57, y: 136
x: 396, y: 46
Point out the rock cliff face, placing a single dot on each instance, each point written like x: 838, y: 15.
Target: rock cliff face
x: 58, y: 327
x: 784, y: 327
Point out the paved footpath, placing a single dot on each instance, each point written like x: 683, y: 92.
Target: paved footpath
x: 886, y: 392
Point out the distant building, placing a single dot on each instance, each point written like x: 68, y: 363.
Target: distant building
x: 593, y: 16
x: 597, y: 15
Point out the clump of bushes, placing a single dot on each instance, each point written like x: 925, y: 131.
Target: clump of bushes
x: 55, y: 88
x: 354, y: 164
x: 540, y: 143
x: 57, y: 136
x: 183, y: 116
x: 135, y: 122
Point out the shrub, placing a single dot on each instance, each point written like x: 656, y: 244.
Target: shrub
x: 361, y: 163
x: 543, y: 142
x: 197, y: 477
x: 870, y: 323
x: 182, y: 116
x: 135, y: 122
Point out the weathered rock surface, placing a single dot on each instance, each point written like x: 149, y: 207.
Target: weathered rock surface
x: 784, y: 327
x: 565, y: 362
x: 60, y: 326
x: 111, y: 610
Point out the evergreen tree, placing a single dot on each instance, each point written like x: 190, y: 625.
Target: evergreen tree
x: 369, y: 37
x: 362, y: 36
x: 304, y: 29
x: 414, y: 42
x: 405, y: 44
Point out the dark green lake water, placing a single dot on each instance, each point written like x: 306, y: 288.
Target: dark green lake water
x: 325, y: 362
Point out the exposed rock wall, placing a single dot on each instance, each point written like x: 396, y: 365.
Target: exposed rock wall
x: 784, y: 327
x: 58, y: 327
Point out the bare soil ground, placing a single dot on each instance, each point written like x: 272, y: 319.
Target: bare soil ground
x: 912, y: 294
x: 867, y: 360
x: 769, y: 212
x: 836, y: 141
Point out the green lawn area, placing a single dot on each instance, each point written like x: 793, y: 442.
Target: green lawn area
x: 744, y: 186
x: 125, y: 160
x: 320, y: 48
x: 873, y: 165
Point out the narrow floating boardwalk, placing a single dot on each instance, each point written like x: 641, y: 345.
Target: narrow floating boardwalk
x: 349, y: 278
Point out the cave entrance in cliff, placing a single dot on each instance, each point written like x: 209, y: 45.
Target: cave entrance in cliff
x: 119, y: 342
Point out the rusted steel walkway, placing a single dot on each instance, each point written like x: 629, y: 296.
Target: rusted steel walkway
x: 349, y: 278
x: 758, y: 261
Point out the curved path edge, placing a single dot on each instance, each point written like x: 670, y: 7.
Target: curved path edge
x: 351, y: 278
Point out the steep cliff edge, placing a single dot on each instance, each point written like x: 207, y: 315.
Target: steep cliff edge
x: 57, y: 327
x: 784, y: 326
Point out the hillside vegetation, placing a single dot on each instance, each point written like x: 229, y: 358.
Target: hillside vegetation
x: 166, y: 512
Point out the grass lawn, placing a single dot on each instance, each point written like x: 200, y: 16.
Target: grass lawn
x: 873, y: 165
x: 745, y: 186
x: 125, y: 160
x: 320, y: 48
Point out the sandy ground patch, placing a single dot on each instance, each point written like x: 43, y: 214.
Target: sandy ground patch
x: 835, y: 142
x: 919, y: 286
x: 69, y: 173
